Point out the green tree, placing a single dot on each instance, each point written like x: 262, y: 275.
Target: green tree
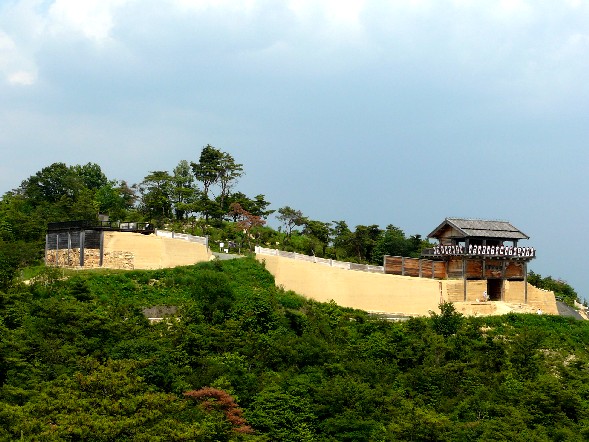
x: 50, y: 184
x: 184, y: 191
x: 319, y: 232
x: 448, y: 321
x: 115, y: 199
x: 283, y: 416
x: 290, y: 218
x: 229, y: 173
x: 364, y: 240
x: 342, y: 240
x: 216, y: 168
x: 156, y: 190
x: 208, y: 168
x: 90, y: 175
x: 392, y: 242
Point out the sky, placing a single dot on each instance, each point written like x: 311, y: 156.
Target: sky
x: 372, y: 112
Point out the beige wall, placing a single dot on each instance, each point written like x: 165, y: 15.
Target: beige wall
x: 349, y: 288
x: 397, y: 294
x: 154, y: 252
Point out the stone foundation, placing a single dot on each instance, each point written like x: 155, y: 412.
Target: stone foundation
x: 71, y: 258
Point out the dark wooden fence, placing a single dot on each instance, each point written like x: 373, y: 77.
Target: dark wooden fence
x: 422, y: 268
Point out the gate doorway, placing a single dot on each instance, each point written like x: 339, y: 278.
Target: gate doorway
x: 494, y: 289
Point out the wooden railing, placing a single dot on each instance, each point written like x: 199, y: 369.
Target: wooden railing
x: 476, y: 251
x: 102, y: 225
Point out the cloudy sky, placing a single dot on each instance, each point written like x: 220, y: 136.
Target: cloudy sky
x: 373, y: 112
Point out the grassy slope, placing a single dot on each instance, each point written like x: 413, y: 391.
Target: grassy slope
x: 79, y: 360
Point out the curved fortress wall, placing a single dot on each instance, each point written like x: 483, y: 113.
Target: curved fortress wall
x: 389, y: 293
x: 362, y: 290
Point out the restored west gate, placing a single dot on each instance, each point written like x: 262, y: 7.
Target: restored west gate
x: 482, y: 251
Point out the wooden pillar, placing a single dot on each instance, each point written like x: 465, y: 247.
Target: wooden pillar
x: 101, y: 247
x: 57, y: 251
x: 69, y: 247
x: 464, y: 276
x: 82, y: 241
x: 525, y: 282
x: 46, y: 246
x: 503, y: 279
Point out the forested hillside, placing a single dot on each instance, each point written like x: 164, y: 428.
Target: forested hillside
x: 199, y: 197
x: 241, y: 359
x: 244, y: 360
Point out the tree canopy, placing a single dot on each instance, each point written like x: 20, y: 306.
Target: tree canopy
x: 241, y: 359
x: 244, y: 360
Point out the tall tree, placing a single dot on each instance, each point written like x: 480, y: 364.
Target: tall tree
x: 115, y: 199
x: 364, y: 239
x: 392, y: 242
x: 184, y: 191
x: 229, y: 173
x: 216, y: 168
x: 59, y: 192
x: 155, y: 190
x: 320, y: 233
x: 208, y: 168
x: 90, y: 175
x: 342, y: 240
x: 246, y: 221
x: 50, y: 184
x: 290, y: 218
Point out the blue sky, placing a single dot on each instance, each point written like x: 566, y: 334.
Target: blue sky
x: 373, y: 112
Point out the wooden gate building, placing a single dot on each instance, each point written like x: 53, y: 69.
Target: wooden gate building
x: 484, y: 251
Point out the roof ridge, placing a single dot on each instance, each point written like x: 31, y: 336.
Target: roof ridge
x: 479, y: 219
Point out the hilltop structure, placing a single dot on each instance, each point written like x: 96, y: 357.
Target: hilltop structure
x: 482, y: 250
x: 475, y: 264
x: 480, y: 259
x: 114, y: 245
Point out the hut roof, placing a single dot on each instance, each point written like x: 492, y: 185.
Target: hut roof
x: 479, y: 228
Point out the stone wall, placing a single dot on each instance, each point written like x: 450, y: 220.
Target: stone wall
x: 118, y: 260
x: 63, y: 258
x: 71, y: 258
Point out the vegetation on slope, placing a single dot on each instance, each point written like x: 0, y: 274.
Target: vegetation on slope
x: 244, y: 360
x: 198, y: 197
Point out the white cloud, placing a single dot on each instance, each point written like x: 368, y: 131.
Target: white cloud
x: 92, y: 19
x: 22, y: 78
x: 16, y: 68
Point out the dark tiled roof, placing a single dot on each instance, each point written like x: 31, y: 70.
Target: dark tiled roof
x: 478, y: 228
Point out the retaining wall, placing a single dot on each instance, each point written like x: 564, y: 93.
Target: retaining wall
x: 361, y: 290
x: 153, y: 251
x: 397, y: 294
